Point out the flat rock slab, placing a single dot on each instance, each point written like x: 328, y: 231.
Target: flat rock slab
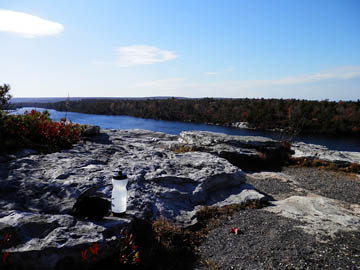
x: 207, y: 138
x: 321, y: 216
x: 38, y: 191
x: 304, y: 150
x: 250, y: 153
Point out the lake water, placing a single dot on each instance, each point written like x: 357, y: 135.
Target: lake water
x: 172, y: 127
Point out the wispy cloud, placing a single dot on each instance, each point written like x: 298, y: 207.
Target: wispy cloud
x: 27, y: 25
x: 142, y: 55
x: 341, y: 73
x: 211, y: 73
x: 250, y: 88
x: 223, y: 71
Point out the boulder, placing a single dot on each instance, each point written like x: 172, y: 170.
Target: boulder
x: 38, y: 193
x: 242, y: 125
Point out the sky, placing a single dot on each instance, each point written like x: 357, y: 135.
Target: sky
x: 301, y: 49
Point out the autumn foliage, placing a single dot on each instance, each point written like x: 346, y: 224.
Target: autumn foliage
x: 300, y: 116
x: 37, y: 131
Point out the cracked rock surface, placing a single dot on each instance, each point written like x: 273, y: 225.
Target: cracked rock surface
x: 313, y: 222
x: 38, y: 191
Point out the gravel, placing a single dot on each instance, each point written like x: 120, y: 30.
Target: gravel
x: 334, y: 185
x: 269, y: 241
x: 274, y: 188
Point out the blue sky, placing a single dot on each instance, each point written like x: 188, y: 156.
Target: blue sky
x: 189, y: 48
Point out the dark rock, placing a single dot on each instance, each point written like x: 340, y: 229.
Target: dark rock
x: 91, y: 204
x: 91, y: 131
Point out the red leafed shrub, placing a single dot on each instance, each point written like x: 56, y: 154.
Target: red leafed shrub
x: 36, y: 130
x: 126, y: 256
x: 4, y: 255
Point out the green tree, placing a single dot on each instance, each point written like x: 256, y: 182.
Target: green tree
x: 4, y: 97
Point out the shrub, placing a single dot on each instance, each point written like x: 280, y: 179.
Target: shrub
x: 126, y: 256
x: 36, y: 130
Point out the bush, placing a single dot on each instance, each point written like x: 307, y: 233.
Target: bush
x: 36, y: 130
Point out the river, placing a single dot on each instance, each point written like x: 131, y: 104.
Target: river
x: 173, y: 127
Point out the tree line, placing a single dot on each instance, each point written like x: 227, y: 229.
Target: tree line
x: 300, y: 116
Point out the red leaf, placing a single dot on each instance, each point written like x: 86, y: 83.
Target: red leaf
x: 234, y: 230
x: 94, y: 249
x: 6, y: 238
x: 83, y: 254
x: 5, y: 256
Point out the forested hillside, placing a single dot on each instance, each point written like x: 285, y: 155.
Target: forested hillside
x: 301, y: 116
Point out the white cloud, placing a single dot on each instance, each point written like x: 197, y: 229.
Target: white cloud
x: 211, y: 73
x: 142, y: 55
x: 27, y: 25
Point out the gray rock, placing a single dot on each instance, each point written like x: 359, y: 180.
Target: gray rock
x: 249, y: 153
x: 304, y: 150
x: 38, y: 192
x: 41, y: 241
x: 206, y: 138
x: 321, y: 216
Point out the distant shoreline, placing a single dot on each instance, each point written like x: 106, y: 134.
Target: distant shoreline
x: 58, y: 99
x: 292, y: 116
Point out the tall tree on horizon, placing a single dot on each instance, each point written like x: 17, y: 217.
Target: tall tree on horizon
x: 5, y: 96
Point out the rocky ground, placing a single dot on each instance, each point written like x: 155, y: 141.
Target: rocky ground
x: 268, y: 240
x: 313, y: 221
x: 38, y: 192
